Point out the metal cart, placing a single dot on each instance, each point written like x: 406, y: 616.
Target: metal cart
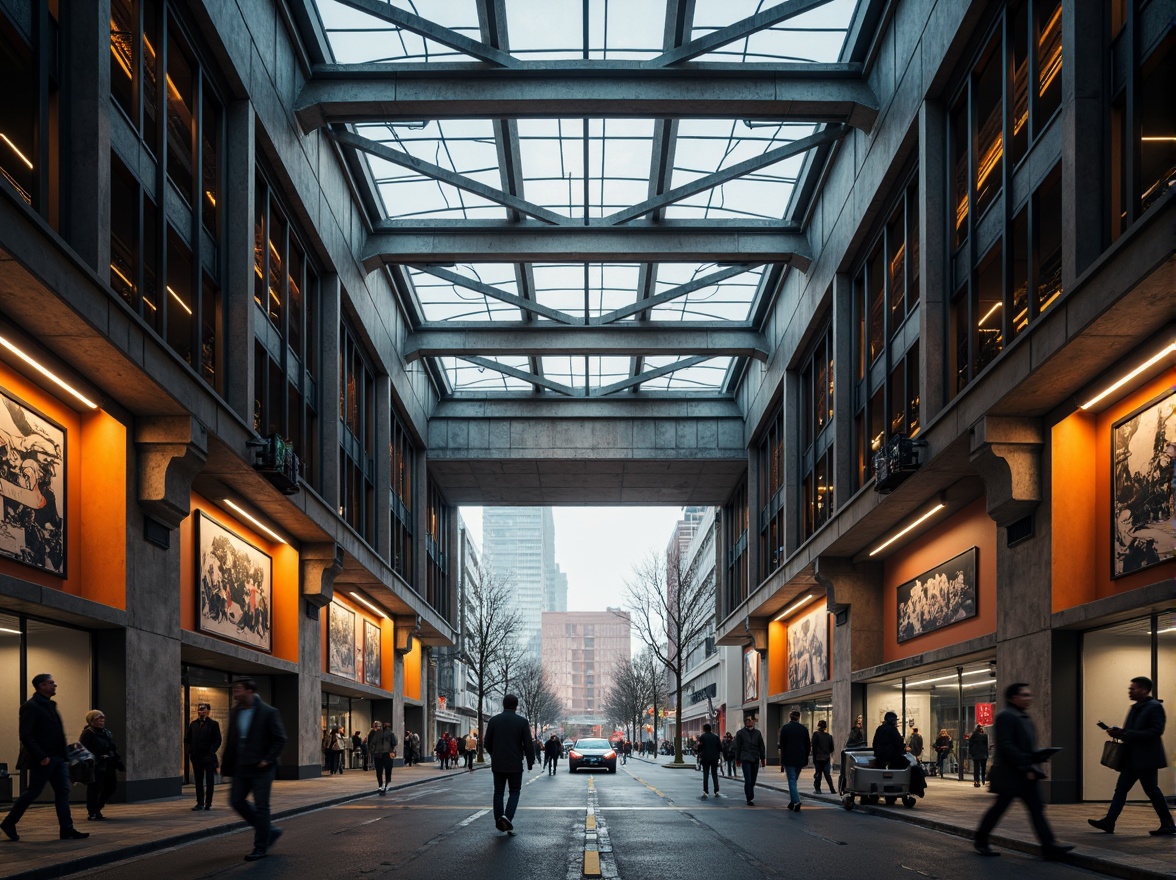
x: 872, y: 784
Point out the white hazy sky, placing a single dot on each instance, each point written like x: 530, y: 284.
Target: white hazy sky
x: 598, y: 547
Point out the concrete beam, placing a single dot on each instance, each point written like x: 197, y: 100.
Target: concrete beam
x: 787, y: 92
x: 523, y: 243
x: 453, y: 340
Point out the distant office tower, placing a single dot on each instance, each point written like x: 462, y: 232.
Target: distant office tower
x: 518, y: 543
x: 581, y: 653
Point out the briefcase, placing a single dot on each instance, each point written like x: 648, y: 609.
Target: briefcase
x: 1113, y: 754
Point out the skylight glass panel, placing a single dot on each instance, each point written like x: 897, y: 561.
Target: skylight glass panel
x: 554, y: 29
x: 562, y: 286
x: 357, y: 38
x: 727, y: 300
x: 707, y: 376
x: 814, y: 36
x: 445, y: 300
x: 595, y: 371
x: 464, y: 376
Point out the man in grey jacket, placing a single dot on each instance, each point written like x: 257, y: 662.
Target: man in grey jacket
x: 383, y: 747
x: 508, y: 740
x: 752, y: 754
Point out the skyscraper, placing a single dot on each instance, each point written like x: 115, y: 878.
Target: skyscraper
x: 519, y: 544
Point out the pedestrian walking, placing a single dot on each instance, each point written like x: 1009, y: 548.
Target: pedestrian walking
x: 442, y: 750
x: 915, y: 744
x: 795, y: 747
x: 1016, y: 770
x: 752, y: 754
x: 338, y: 747
x: 823, y: 749
x: 943, y: 747
x: 626, y: 751
x: 359, y: 756
x: 508, y: 740
x: 1142, y: 733
x: 43, y: 752
x: 453, y: 753
x: 471, y: 750
x: 729, y: 754
x: 889, y: 750
x: 383, y: 752
x: 552, y: 749
x: 709, y: 751
x: 203, y: 741
x: 256, y: 737
x: 107, y: 762
x: 978, y: 752
x: 416, y: 746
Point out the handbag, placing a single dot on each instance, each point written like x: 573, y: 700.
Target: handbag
x: 1113, y: 754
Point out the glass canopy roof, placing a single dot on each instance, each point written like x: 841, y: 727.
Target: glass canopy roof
x: 572, y: 172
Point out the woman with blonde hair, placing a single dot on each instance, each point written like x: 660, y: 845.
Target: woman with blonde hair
x: 943, y: 747
x: 107, y: 761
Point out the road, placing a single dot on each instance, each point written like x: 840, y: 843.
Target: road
x: 650, y: 823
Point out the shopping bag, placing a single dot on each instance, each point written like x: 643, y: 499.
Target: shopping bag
x: 1113, y: 754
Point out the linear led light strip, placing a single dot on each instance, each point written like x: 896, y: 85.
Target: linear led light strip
x: 1116, y: 386
x: 4, y: 629
x: 942, y: 678
x: 363, y: 601
x: 926, y: 516
x: 47, y: 373
x: 256, y: 522
x: 800, y: 603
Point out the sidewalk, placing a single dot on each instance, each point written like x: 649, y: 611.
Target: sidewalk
x: 135, y: 829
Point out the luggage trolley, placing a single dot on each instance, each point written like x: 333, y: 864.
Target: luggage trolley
x: 871, y: 784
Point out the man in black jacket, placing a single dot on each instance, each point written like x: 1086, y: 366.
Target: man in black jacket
x: 795, y: 748
x: 752, y: 754
x: 709, y: 753
x: 256, y: 737
x: 1143, y: 734
x: 203, y: 740
x: 1016, y: 770
x: 508, y: 740
x: 823, y: 749
x: 889, y: 751
x: 43, y: 753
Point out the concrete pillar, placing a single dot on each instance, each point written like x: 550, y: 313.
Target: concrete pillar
x: 853, y: 595
x: 86, y: 144
x: 331, y: 307
x: 1083, y: 156
x: 239, y: 218
x: 843, y: 387
x: 934, y: 259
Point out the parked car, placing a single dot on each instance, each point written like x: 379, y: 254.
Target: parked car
x: 592, y: 753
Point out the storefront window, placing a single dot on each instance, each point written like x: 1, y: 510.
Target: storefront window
x: 735, y: 518
x: 11, y: 691
x: 402, y: 457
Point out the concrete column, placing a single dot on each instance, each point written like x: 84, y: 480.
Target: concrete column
x: 330, y: 307
x: 854, y: 591
x: 843, y: 385
x: 1083, y: 156
x: 934, y: 259
x: 238, y: 259
x: 453, y: 566
x: 86, y: 143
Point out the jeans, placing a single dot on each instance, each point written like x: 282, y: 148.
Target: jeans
x: 501, y: 781
x: 1030, y: 793
x: 1148, y: 779
x: 710, y: 770
x: 384, y: 769
x: 939, y: 763
x: 470, y: 755
x: 979, y: 770
x: 731, y: 768
x: 793, y: 789
x: 204, y: 773
x: 99, y: 791
x: 257, y: 814
x: 54, y: 774
x: 750, y: 772
x: 822, y: 768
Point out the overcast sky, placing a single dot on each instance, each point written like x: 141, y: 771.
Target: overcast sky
x: 598, y: 547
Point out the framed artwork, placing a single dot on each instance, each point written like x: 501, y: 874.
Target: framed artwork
x: 937, y: 598
x: 341, y: 643
x: 751, y: 674
x: 371, y: 653
x: 235, y: 583
x: 32, y: 483
x: 1143, y: 487
x: 808, y: 649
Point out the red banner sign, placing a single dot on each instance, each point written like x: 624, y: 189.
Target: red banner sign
x: 985, y: 712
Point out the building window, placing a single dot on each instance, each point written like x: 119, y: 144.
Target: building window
x: 402, y: 456
x: 357, y: 436
x: 773, y: 548
x: 816, y: 464
x: 886, y: 294
x: 436, y: 542
x: 286, y: 346
x: 735, y: 519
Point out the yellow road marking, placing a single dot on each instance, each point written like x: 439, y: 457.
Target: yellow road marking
x: 591, y: 863
x: 590, y: 823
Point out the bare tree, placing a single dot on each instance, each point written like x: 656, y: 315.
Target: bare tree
x: 653, y: 678
x: 626, y: 700
x: 538, y: 699
x: 490, y: 636
x: 671, y: 604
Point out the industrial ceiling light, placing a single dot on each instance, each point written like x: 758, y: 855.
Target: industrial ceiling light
x: 922, y: 519
x: 1123, y: 381
x: 47, y: 373
x: 799, y: 603
x: 256, y: 522
x: 363, y: 601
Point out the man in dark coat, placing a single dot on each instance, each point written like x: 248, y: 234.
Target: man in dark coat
x: 43, y: 753
x: 1016, y: 770
x: 256, y: 737
x: 508, y: 740
x: 751, y: 753
x: 203, y: 740
x: 823, y: 749
x: 795, y: 748
x: 552, y: 749
x: 1143, y: 734
x: 709, y: 753
x: 889, y: 751
x: 978, y: 752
